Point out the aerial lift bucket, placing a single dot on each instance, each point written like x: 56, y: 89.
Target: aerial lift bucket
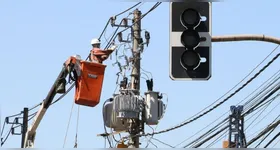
x: 89, y: 84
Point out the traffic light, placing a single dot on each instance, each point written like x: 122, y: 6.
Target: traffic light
x: 190, y: 40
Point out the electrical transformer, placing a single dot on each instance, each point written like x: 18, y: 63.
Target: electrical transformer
x: 127, y: 106
x: 111, y: 120
x: 154, y: 108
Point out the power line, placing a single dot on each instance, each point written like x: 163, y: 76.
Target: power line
x: 262, y: 90
x: 263, y: 132
x: 7, y: 136
x: 269, y: 111
x: 206, y: 112
x: 3, y: 128
x: 238, y: 82
x: 273, y: 79
x: 34, y: 106
x: 274, y: 138
x: 162, y: 142
x: 116, y: 16
x: 14, y: 115
x: 276, y: 143
x: 153, y: 8
x: 128, y: 9
x: 264, y: 138
x: 114, y: 34
x: 218, y: 139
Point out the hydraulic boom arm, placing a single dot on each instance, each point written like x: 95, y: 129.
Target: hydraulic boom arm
x: 57, y: 88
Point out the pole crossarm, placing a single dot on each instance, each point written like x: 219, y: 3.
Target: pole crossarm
x: 246, y: 37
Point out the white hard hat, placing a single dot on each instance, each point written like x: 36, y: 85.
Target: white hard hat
x: 95, y: 41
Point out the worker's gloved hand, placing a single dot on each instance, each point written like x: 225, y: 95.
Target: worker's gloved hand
x: 112, y: 48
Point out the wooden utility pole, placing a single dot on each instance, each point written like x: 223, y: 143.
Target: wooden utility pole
x: 135, y: 75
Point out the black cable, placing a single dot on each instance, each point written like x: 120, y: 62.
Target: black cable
x: 218, y: 139
x: 112, y: 37
x: 269, y: 101
x: 3, y: 142
x: 163, y: 142
x: 238, y: 82
x: 208, y: 132
x: 213, y: 129
x: 200, y: 138
x: 7, y: 136
x: 34, y: 107
x: 274, y: 138
x: 128, y: 9
x: 268, y: 112
x: 3, y: 128
x: 116, y: 16
x: 212, y: 136
x: 266, y: 126
x: 250, y: 102
x: 32, y: 114
x: 104, y: 29
x: 261, y: 112
x: 265, y: 137
x: 155, y: 6
x: 262, y: 92
x: 266, y: 97
x: 264, y: 131
x: 236, y: 105
x: 206, y: 112
x: 14, y: 115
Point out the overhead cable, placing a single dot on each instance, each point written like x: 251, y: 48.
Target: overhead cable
x: 116, y: 16
x: 217, y: 105
x: 246, y: 103
x: 153, y: 8
x: 237, y: 83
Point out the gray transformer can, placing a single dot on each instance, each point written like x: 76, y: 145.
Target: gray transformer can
x: 154, y: 108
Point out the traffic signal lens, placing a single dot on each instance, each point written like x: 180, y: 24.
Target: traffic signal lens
x: 190, y: 39
x: 190, y: 60
x: 190, y: 18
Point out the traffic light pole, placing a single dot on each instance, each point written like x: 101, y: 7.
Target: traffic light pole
x: 135, y: 74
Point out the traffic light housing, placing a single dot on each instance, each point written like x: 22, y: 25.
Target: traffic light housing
x: 190, y: 40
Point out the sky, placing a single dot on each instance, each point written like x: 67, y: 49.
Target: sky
x: 38, y: 36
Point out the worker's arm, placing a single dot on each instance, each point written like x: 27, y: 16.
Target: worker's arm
x: 99, y: 55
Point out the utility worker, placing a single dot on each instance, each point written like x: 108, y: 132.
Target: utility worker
x: 98, y: 55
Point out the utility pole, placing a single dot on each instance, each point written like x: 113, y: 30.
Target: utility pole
x: 135, y: 74
x: 24, y: 126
